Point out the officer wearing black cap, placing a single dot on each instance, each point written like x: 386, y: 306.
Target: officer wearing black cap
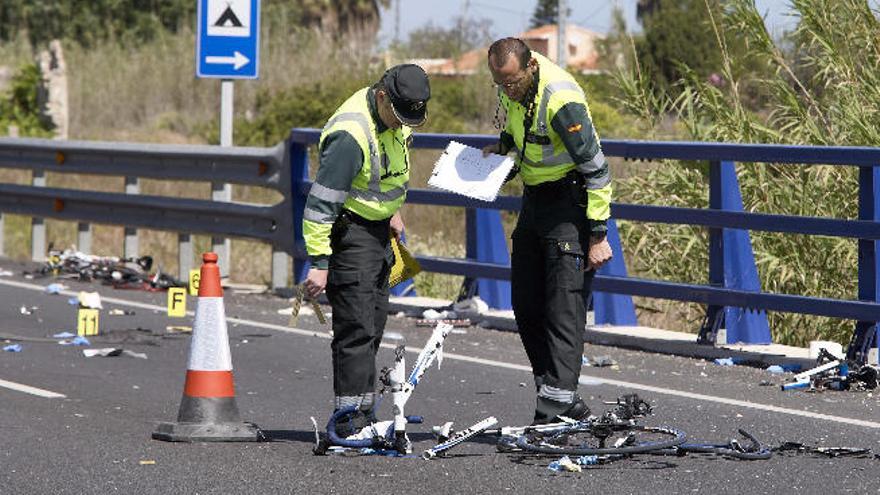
x: 351, y: 213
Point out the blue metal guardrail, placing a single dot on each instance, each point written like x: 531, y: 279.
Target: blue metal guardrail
x: 733, y: 297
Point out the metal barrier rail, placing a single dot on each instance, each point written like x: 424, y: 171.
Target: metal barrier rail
x: 264, y: 167
x: 718, y: 218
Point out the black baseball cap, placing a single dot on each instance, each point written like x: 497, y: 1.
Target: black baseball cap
x: 409, y: 91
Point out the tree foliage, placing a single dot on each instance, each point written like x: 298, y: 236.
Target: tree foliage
x: 432, y: 41
x: 676, y: 32
x: 546, y: 12
x: 20, y: 107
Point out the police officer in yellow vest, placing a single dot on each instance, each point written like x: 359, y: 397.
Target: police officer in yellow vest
x: 351, y: 213
x: 559, y: 239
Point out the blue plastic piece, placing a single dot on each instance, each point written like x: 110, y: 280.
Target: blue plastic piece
x: 12, y: 348
x: 609, y: 308
x: 724, y: 362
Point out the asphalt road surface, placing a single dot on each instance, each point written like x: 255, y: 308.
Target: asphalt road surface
x: 72, y: 424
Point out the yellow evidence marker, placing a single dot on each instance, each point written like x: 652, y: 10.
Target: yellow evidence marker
x: 176, y: 301
x: 194, y: 277
x: 87, y: 322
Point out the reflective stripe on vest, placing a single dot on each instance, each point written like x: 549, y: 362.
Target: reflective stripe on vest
x: 356, y: 111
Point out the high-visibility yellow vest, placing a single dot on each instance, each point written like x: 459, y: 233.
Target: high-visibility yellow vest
x: 545, y: 158
x: 379, y: 188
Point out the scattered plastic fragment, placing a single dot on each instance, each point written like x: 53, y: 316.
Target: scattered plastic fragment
x: 63, y: 335
x: 5, y: 273
x: 112, y: 352
x: 588, y: 460
x: 603, y: 361
x: 12, y: 348
x: 178, y: 329
x: 432, y: 314
x: 724, y: 361
x: 775, y: 369
x: 54, y: 288
x: 565, y: 464
x: 472, y: 305
x: 393, y: 335
x: 90, y: 300
x: 147, y: 462
x: 104, y: 352
x: 25, y: 310
x: 120, y: 312
x: 73, y: 301
x: 79, y: 340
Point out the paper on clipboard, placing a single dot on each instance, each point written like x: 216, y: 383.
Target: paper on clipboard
x: 463, y: 170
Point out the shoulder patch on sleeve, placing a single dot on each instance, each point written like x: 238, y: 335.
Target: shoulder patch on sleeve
x: 575, y: 128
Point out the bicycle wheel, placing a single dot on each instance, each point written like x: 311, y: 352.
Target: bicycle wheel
x: 629, y: 439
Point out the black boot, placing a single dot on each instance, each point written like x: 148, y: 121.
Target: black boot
x: 551, y: 411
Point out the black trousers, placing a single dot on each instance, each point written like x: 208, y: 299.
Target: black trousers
x: 549, y: 281
x: 357, y: 287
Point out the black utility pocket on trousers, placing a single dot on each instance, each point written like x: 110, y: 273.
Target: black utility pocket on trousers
x: 342, y: 278
x: 570, y: 266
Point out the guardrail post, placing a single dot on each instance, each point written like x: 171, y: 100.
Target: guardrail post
x: 864, y: 344
x: 184, y: 256
x: 731, y: 265
x: 299, y: 163
x: 486, y: 242
x: 2, y: 240
x: 38, y: 225
x: 130, y: 246
x: 84, y: 237
x: 614, y: 309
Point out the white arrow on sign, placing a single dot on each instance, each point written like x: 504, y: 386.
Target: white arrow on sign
x: 238, y: 60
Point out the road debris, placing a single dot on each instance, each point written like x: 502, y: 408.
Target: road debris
x: 91, y: 300
x: 457, y: 322
x: 27, y: 311
x: 178, y: 329
x: 55, y: 288
x: 112, y: 352
x: 12, y: 348
x: 63, y: 335
x: 120, y: 312
x: 79, y: 340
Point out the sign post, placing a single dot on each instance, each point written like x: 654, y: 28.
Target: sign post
x: 227, y: 48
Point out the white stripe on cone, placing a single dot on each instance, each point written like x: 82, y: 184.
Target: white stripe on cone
x: 209, y: 349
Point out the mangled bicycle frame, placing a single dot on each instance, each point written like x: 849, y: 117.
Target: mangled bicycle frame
x: 388, y: 435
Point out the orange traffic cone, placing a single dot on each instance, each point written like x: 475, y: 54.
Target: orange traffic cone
x: 208, y: 412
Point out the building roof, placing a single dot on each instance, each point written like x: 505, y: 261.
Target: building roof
x: 583, y: 55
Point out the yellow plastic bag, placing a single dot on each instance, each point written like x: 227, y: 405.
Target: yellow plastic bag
x: 405, y: 266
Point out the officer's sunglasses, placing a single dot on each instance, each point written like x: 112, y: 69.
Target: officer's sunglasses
x: 510, y: 84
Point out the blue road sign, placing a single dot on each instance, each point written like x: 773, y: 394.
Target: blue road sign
x: 228, y: 42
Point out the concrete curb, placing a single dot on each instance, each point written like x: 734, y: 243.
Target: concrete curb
x: 637, y: 338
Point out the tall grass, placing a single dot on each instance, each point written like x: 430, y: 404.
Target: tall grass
x: 822, y: 90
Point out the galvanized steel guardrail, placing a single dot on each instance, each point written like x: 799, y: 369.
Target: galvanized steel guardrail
x: 263, y: 167
x: 284, y: 168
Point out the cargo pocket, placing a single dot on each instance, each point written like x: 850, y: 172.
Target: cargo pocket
x: 345, y: 294
x: 569, y: 267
